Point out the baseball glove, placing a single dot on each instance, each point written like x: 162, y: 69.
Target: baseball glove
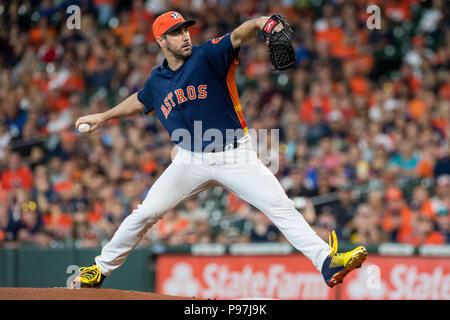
x: 281, y: 51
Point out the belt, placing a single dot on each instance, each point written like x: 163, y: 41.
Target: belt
x: 231, y: 146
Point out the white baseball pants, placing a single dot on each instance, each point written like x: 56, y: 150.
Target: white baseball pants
x: 239, y: 171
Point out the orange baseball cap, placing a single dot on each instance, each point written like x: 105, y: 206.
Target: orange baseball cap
x: 393, y: 193
x: 168, y: 22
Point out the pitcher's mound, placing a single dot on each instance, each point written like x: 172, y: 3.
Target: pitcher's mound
x: 80, y: 294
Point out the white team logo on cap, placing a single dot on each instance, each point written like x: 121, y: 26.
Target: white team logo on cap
x: 175, y: 16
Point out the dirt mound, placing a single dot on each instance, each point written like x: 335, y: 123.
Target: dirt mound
x: 80, y: 294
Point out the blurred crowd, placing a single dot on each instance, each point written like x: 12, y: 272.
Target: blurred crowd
x: 362, y: 107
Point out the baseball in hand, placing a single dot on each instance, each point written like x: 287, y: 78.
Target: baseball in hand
x: 84, y: 127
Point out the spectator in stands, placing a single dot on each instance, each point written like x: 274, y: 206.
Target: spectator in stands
x: 112, y: 215
x: 295, y: 183
x: 173, y: 227
x: 441, y: 198
x: 405, y: 161
x: 56, y: 220
x: 423, y: 231
x: 17, y: 174
x: 201, y: 232
x: 8, y: 225
x: 263, y: 230
x: 318, y: 127
x: 326, y: 223
x: 397, y: 219
x: 221, y: 238
x: 376, y: 203
x: 194, y: 211
x: 105, y: 10
x: 364, y: 227
x: 5, y: 137
x: 344, y: 209
x: 15, y: 116
x: 443, y: 223
x: 30, y: 222
x: 442, y: 165
x: 306, y: 207
x: 420, y: 195
x: 82, y: 232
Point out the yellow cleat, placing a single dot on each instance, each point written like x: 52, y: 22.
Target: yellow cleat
x: 90, y: 277
x: 337, y: 265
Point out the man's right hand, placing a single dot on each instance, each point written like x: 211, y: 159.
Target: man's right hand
x: 95, y: 121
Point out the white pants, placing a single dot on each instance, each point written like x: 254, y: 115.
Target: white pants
x: 239, y: 171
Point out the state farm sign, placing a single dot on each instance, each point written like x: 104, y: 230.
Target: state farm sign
x: 232, y: 277
x: 294, y: 277
x: 399, y: 278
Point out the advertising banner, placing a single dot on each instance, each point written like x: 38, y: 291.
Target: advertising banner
x: 399, y: 278
x: 239, y: 277
x: 294, y: 277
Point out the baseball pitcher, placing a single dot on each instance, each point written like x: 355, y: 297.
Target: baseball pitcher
x: 194, y: 95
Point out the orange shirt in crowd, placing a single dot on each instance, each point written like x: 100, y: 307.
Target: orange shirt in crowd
x: 363, y: 63
x: 405, y: 225
x: 425, y: 168
x: 417, y: 108
x: 57, y: 102
x: 234, y: 203
x: 149, y: 166
x: 21, y: 177
x: 309, y: 105
x: 433, y: 237
x: 3, y: 194
x: 359, y: 85
x: 63, y: 186
x: 441, y: 124
x: 61, y: 223
x: 413, y: 83
x: 255, y: 68
x: 74, y: 82
x: 93, y: 60
x: 136, y: 16
x: 94, y: 217
x: 38, y: 34
x: 166, y: 227
x: 343, y: 51
x: 431, y: 207
x: 333, y: 35
x: 399, y: 9
x: 444, y: 90
x: 126, y: 33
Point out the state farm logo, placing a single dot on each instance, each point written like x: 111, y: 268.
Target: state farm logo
x: 182, y: 282
x: 218, y: 281
x: 400, y: 282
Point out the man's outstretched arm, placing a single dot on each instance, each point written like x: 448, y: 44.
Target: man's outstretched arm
x: 128, y: 107
x: 248, y: 30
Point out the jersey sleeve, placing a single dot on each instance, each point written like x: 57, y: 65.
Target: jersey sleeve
x: 144, y: 95
x: 220, y: 53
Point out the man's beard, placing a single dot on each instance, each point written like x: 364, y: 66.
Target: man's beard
x: 179, y: 53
